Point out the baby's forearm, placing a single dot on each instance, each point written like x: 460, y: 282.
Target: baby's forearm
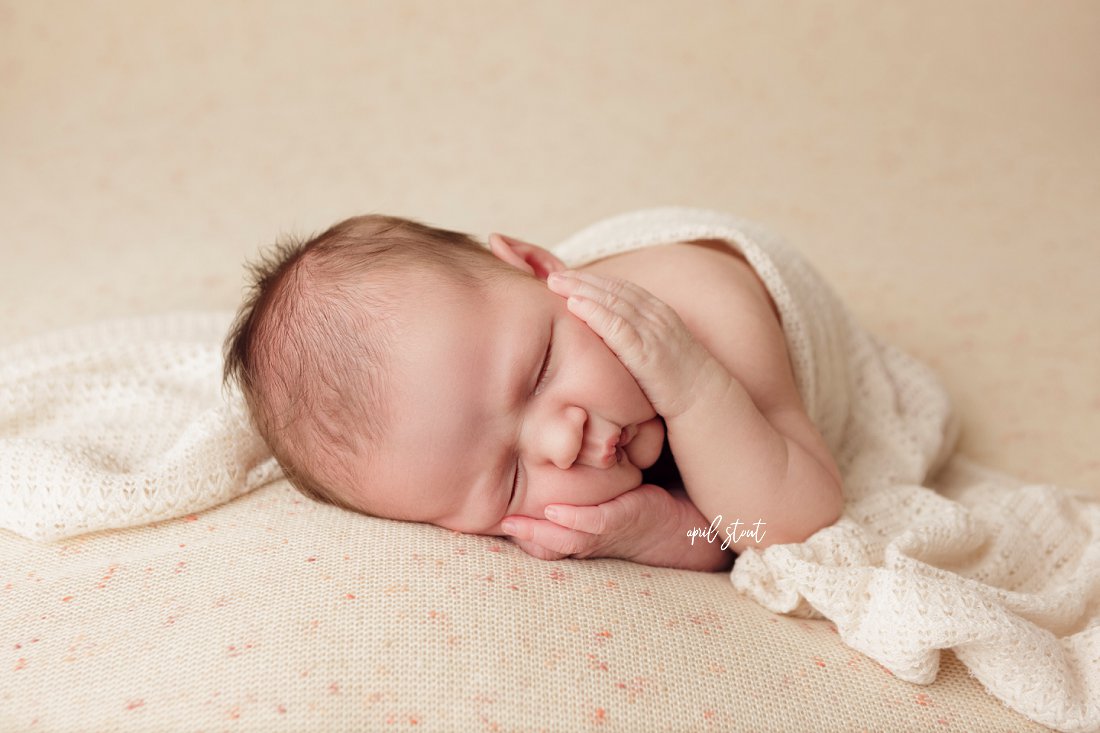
x: 736, y: 464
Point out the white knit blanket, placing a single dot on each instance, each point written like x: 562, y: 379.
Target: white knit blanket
x: 1006, y: 575
x: 121, y: 423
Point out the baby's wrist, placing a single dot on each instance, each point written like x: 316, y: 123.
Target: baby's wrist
x: 709, y: 385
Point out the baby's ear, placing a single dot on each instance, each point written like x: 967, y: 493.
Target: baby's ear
x: 525, y: 256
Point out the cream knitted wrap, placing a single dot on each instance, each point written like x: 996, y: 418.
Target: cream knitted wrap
x: 121, y: 423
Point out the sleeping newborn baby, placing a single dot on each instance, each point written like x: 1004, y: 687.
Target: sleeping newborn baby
x: 641, y: 407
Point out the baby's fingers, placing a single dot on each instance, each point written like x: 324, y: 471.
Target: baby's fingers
x: 614, y: 322
x: 596, y: 287
x: 615, y: 319
x: 596, y: 520
x: 647, y: 336
x: 604, y: 299
x: 549, y: 537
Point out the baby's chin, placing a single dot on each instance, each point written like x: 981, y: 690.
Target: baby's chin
x: 644, y: 450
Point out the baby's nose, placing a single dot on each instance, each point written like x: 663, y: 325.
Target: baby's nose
x: 563, y: 441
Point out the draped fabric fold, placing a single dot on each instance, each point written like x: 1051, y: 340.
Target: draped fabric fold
x: 121, y: 423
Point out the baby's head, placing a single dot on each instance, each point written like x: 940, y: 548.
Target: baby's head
x: 397, y: 369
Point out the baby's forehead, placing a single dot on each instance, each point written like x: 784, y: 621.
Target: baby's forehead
x: 451, y: 322
x: 450, y: 296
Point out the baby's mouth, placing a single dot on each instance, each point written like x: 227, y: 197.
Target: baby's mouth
x: 605, y: 454
x: 625, y: 437
x: 613, y: 451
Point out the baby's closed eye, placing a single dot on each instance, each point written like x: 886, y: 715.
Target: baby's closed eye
x: 544, y: 371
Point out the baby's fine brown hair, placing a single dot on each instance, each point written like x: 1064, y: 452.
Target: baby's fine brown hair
x: 310, y: 346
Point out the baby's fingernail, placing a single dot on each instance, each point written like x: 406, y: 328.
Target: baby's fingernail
x: 551, y: 513
x: 508, y: 527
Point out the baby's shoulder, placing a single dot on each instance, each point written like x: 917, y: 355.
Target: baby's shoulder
x: 689, y: 276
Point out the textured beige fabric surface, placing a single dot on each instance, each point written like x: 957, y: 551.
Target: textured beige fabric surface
x: 938, y: 163
x: 274, y: 613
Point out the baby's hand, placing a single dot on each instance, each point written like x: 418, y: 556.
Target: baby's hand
x: 630, y: 527
x: 668, y: 363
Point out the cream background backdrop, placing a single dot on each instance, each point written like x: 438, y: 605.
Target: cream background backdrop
x: 933, y: 159
x: 937, y: 162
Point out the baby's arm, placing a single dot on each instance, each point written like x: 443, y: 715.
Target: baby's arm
x: 737, y: 462
x: 648, y: 525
